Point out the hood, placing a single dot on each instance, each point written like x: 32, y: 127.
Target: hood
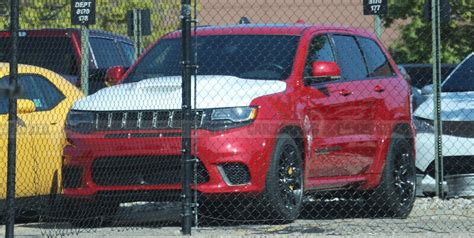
x: 455, y: 106
x: 164, y: 93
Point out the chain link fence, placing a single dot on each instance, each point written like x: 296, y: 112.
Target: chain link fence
x: 305, y: 117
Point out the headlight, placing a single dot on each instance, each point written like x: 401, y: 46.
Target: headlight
x: 423, y: 125
x: 226, y: 118
x: 80, y: 121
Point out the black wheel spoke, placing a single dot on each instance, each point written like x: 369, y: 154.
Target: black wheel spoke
x: 404, y: 178
x: 290, y: 176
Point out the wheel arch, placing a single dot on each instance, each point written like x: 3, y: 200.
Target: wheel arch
x: 297, y: 134
x: 407, y: 131
x: 404, y: 129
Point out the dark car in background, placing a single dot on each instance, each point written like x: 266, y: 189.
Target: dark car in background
x: 422, y: 74
x: 59, y: 50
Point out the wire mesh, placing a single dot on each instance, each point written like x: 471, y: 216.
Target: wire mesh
x: 308, y: 117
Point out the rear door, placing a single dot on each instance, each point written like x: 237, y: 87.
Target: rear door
x: 358, y: 136
x: 386, y: 91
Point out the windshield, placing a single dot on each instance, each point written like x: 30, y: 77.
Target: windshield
x: 53, y: 53
x: 243, y: 56
x: 462, y: 79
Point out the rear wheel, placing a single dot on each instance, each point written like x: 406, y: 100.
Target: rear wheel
x: 395, y: 195
x: 283, y: 192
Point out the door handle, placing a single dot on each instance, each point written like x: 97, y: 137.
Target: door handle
x: 379, y: 89
x: 345, y: 92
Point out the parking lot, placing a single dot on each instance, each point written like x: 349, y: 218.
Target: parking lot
x: 271, y: 117
x: 430, y: 217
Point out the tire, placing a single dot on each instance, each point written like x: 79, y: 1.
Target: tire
x: 395, y: 195
x: 283, y: 193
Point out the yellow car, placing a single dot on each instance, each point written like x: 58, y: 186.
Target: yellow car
x: 42, y: 108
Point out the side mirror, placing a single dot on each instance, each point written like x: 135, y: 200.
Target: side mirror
x: 323, y: 70
x: 114, y: 75
x: 427, y: 90
x: 25, y: 106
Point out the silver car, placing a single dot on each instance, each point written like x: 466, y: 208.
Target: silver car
x: 457, y: 115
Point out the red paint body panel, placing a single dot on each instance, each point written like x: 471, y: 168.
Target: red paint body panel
x: 346, y: 128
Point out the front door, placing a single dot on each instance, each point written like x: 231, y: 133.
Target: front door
x: 24, y: 154
x: 341, y: 113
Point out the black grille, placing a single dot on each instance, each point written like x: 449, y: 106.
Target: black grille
x: 141, y: 170
x: 143, y: 120
x: 459, y: 128
x: 456, y: 128
x: 72, y: 177
x: 453, y: 165
x: 236, y: 173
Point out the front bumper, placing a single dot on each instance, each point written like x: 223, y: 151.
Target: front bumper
x: 458, y: 162
x: 232, y: 161
x: 454, y: 148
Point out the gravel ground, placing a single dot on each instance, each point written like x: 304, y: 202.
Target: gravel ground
x: 430, y: 217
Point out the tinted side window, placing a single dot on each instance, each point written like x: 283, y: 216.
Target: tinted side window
x: 462, y: 79
x: 47, y: 95
x: 319, y: 50
x: 37, y: 89
x: 106, y: 52
x: 349, y: 58
x: 377, y: 63
x: 54, y: 53
x: 129, y: 52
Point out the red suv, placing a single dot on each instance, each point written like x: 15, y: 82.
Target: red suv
x: 281, y: 111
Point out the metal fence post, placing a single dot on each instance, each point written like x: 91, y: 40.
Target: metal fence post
x: 378, y: 26
x: 136, y: 25
x: 435, y: 22
x: 187, y: 162
x: 12, y: 120
x: 85, y: 59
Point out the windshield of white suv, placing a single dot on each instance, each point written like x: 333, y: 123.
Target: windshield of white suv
x: 462, y: 79
x: 243, y: 56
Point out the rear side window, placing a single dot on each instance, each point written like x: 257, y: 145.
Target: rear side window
x: 377, y: 63
x: 349, y: 58
x: 53, y: 53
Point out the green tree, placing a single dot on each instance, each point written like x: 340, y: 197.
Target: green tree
x: 415, y: 42
x: 111, y: 15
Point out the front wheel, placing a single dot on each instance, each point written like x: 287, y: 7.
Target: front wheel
x: 283, y: 194
x: 395, y: 195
